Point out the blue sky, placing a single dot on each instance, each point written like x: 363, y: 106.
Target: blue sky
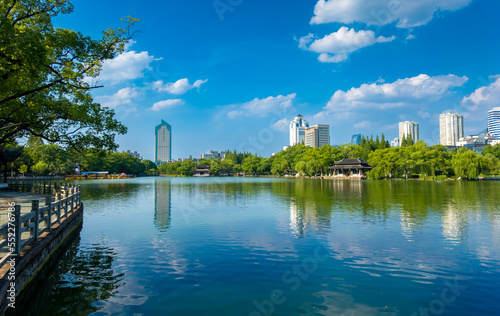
x: 231, y: 74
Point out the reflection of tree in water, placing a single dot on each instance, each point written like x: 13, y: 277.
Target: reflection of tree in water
x: 163, y: 204
x: 84, y: 281
x: 106, y: 190
x: 72, y: 282
x: 312, y: 202
x: 81, y: 278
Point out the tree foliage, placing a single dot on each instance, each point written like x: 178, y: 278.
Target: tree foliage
x: 46, y: 74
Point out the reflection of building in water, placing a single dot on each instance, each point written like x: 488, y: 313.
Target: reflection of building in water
x: 409, y: 226
x: 296, y: 220
x: 495, y: 229
x: 347, y: 188
x: 309, y: 216
x: 454, y: 222
x: 162, y: 204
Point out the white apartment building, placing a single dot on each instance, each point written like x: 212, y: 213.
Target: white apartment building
x: 409, y: 128
x: 451, y: 128
x: 297, y: 130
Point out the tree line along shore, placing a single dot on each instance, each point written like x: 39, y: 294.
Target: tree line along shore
x: 409, y: 161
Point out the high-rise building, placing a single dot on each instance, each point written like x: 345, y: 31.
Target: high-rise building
x: 356, y: 139
x: 163, y: 143
x: 451, y: 128
x: 317, y: 135
x: 494, y: 122
x: 409, y: 128
x: 297, y: 130
x: 396, y: 142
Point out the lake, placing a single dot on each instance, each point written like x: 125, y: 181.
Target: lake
x: 274, y: 246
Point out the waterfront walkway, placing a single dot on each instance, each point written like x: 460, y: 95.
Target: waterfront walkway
x: 20, y: 198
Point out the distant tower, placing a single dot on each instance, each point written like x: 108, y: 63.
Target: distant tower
x: 494, y: 122
x: 451, y: 128
x: 409, y: 127
x: 163, y: 143
x: 297, y: 130
x: 356, y: 139
x: 317, y: 135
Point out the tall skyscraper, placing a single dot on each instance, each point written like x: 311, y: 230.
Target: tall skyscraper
x: 409, y: 128
x: 297, y: 130
x: 451, y: 128
x: 317, y: 135
x: 494, y: 122
x: 356, y: 139
x: 163, y: 143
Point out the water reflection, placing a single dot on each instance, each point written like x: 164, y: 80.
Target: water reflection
x: 73, y: 283
x: 111, y: 189
x: 454, y: 222
x: 163, y: 204
x: 230, y: 241
x: 84, y: 281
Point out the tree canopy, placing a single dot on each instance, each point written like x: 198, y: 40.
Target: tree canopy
x: 46, y: 77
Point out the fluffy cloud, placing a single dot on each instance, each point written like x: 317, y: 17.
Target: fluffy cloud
x: 121, y: 97
x: 415, y: 91
x: 363, y: 124
x: 181, y: 86
x: 282, y: 125
x: 407, y: 13
x: 166, y: 104
x: 484, y: 98
x: 263, y: 107
x: 334, y: 48
x: 126, y: 66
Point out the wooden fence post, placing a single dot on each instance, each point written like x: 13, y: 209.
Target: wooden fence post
x: 48, y: 202
x: 17, y: 233
x: 58, y: 208
x: 35, y: 208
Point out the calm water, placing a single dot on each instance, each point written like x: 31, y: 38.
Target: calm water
x: 261, y: 246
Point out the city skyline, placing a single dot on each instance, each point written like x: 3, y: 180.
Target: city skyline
x: 232, y: 84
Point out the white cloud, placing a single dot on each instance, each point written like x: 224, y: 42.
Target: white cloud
x: 409, y: 37
x: 121, y: 97
x: 263, y: 107
x: 166, y: 104
x: 363, y: 124
x: 484, y: 98
x: 407, y: 13
x: 181, y: 86
x: 282, y: 125
x: 391, y: 126
x: 126, y: 66
x: 415, y: 91
x: 336, y: 47
x: 423, y: 114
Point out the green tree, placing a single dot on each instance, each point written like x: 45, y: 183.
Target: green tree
x: 215, y: 167
x: 492, y: 150
x: 23, y: 169
x: 55, y: 160
x: 301, y: 167
x: 44, y: 76
x: 466, y: 163
x: 148, y: 164
x: 250, y: 165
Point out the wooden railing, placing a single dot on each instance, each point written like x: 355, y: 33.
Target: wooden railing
x: 40, y: 187
x: 21, y: 230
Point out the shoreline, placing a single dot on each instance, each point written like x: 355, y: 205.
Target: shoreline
x: 336, y: 178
